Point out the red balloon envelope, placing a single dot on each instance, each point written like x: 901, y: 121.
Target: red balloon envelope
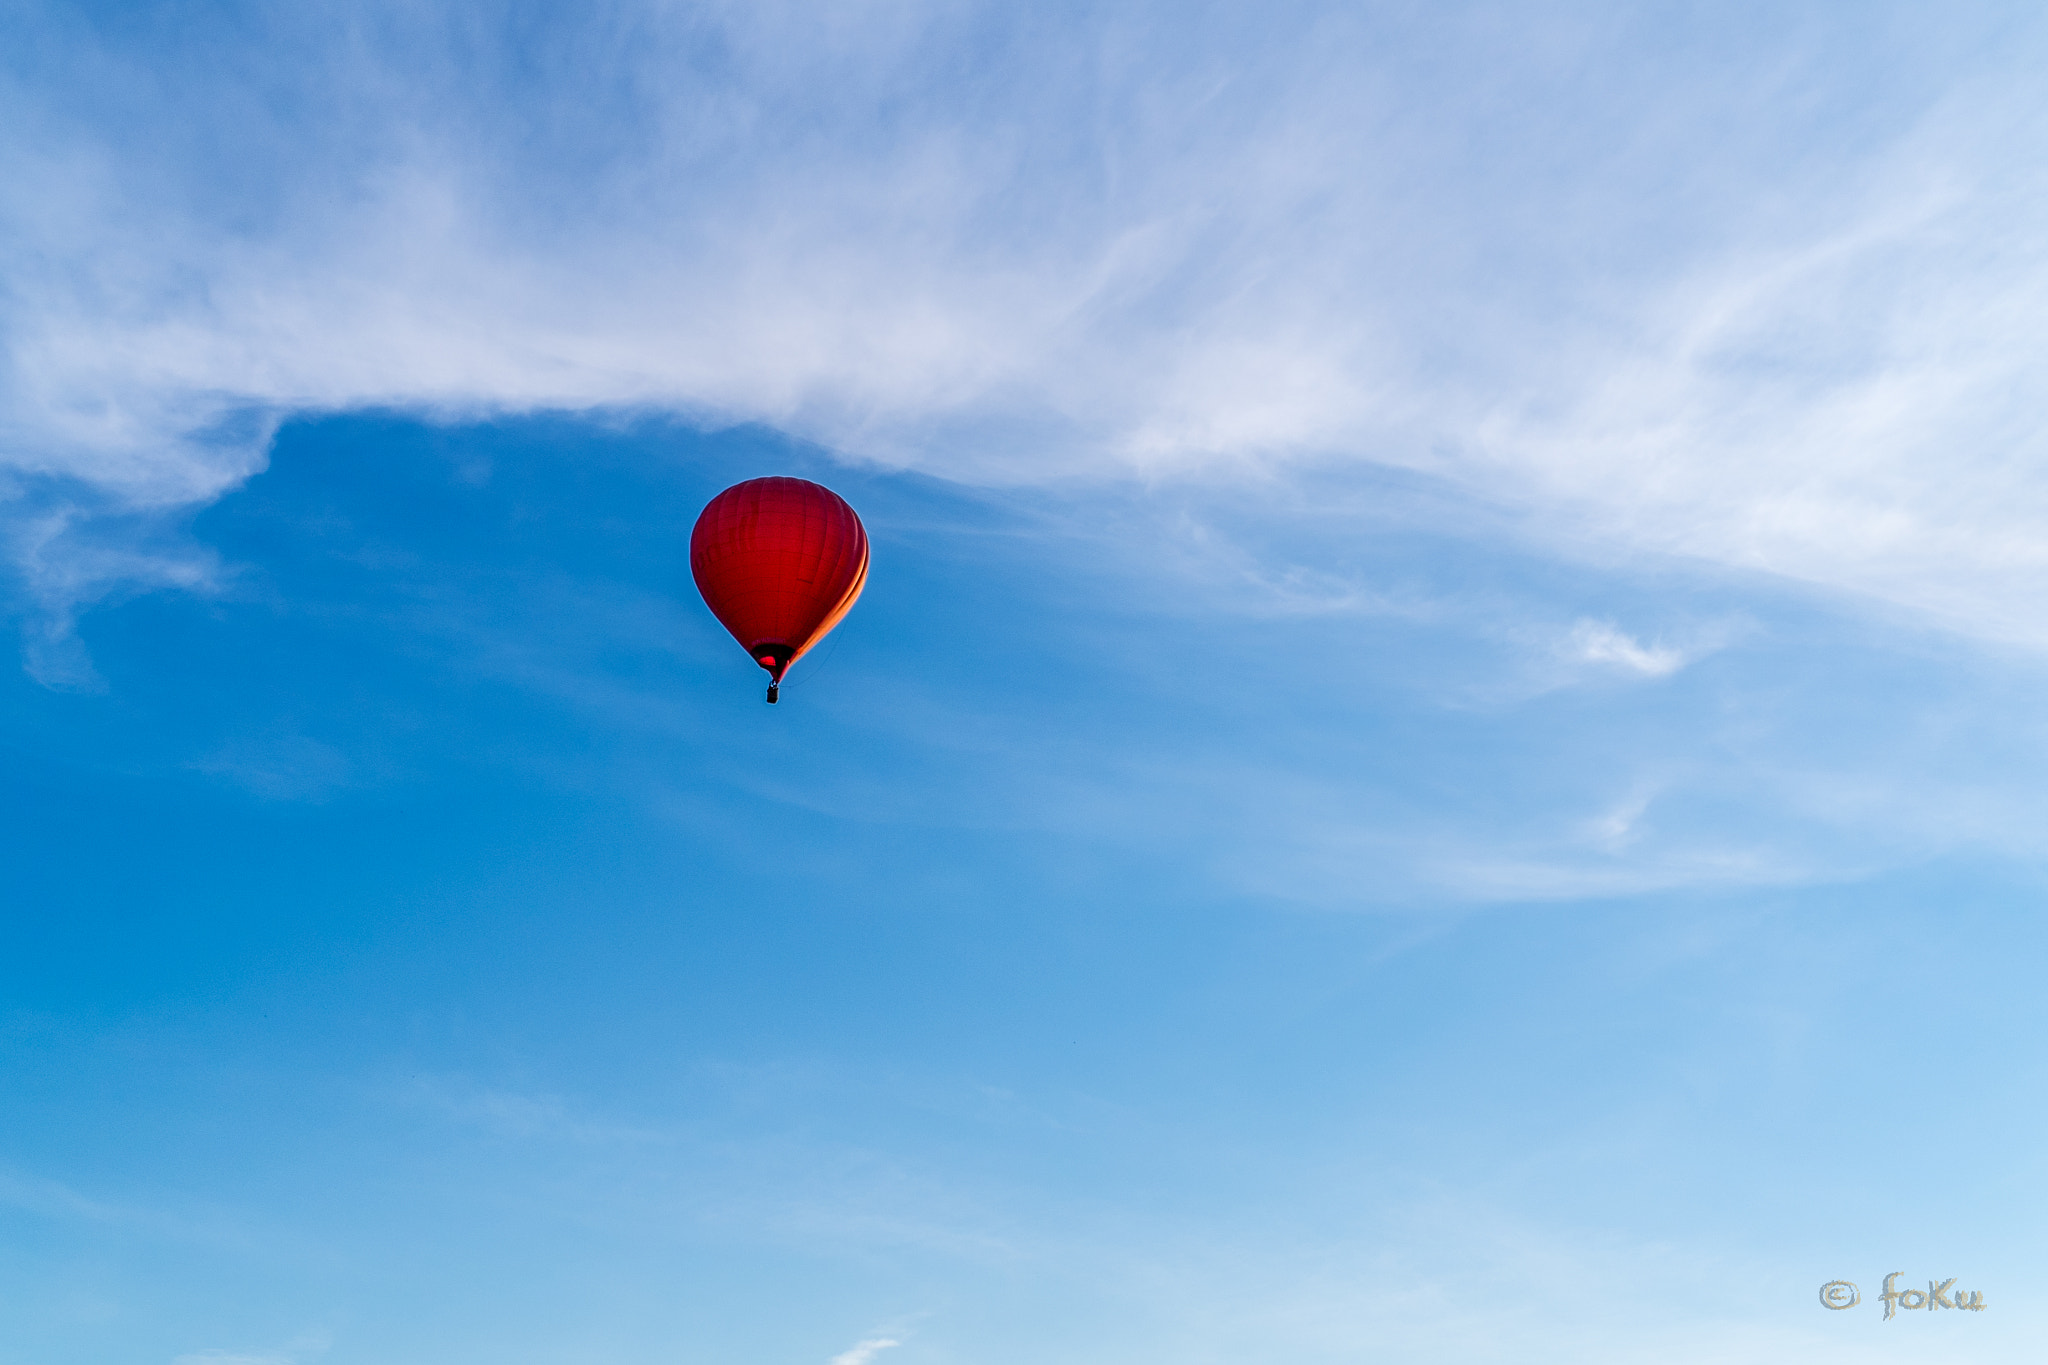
x: 779, y: 562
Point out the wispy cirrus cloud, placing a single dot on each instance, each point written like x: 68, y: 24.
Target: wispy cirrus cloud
x: 1602, y: 642
x: 1757, y: 289
x: 864, y: 1352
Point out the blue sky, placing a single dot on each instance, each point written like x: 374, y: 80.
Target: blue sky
x: 1440, y: 762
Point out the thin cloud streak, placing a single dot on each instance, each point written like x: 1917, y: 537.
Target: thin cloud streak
x: 1601, y: 642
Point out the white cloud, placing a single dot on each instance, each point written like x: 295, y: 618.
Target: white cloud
x: 1730, y: 306
x: 865, y: 1351
x: 1601, y: 642
x: 1617, y: 826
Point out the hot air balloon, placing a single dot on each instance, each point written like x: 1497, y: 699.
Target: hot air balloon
x: 779, y: 562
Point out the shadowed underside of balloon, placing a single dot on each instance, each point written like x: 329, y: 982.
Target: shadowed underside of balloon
x: 779, y: 562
